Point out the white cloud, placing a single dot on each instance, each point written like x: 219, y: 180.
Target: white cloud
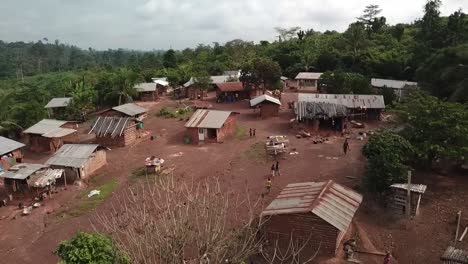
x: 160, y: 24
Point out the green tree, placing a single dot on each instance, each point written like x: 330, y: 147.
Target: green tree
x: 170, y: 59
x: 202, y: 81
x: 356, y: 39
x: 83, y: 100
x: 123, y: 82
x: 438, y: 130
x: 339, y: 82
x: 260, y: 72
x: 90, y: 248
x: 388, y: 155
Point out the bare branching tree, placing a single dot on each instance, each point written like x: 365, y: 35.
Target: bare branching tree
x: 294, y: 252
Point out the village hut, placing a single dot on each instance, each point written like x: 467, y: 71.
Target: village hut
x: 147, y: 92
x: 115, y: 131
x: 30, y: 180
x: 127, y: 110
x: 399, y: 194
x: 453, y: 255
x: 318, y: 212
x: 307, y: 82
x: 192, y: 92
x: 57, y: 107
x: 400, y: 88
x: 269, y: 106
x: 162, y: 85
x: 78, y: 160
x: 210, y: 126
x: 48, y: 135
x: 230, y: 92
x: 10, y: 153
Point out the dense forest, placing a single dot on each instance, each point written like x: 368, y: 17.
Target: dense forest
x: 432, y: 50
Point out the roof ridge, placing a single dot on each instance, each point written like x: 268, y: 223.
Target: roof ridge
x: 322, y: 192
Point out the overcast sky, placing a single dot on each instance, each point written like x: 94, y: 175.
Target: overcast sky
x: 162, y: 24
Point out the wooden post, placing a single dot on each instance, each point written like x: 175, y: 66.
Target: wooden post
x: 458, y: 225
x: 408, y: 196
x: 65, y: 179
x: 463, y: 235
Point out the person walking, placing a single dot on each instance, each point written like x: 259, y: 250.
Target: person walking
x: 273, y: 170
x: 345, y: 146
x: 277, y: 171
x: 254, y: 130
x: 250, y: 132
x: 268, y: 185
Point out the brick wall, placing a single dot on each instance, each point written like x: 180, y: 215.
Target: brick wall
x: 306, y: 226
x: 269, y: 110
x: 192, y: 133
x: 96, y: 161
x: 228, y: 129
x: 38, y: 143
x: 148, y: 96
x: 128, y: 137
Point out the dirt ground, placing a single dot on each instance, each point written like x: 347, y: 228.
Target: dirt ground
x: 239, y: 164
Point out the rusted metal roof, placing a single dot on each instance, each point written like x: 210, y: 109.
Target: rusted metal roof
x: 351, y: 101
x: 8, y: 145
x: 419, y: 188
x: 50, y: 128
x: 453, y: 255
x: 130, y: 109
x: 308, y: 76
x: 113, y: 126
x: 46, y: 178
x: 394, y: 84
x: 259, y: 99
x: 230, y: 87
x: 22, y: 171
x: 58, y: 102
x: 72, y: 155
x: 208, y: 119
x: 145, y: 87
x: 330, y: 201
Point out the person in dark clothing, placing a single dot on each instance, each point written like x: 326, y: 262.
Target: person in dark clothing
x: 345, y: 146
x: 277, y: 171
x: 254, y: 130
x: 273, y: 170
x: 250, y: 132
x: 387, y: 259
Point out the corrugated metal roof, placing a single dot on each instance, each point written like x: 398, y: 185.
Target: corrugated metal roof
x: 214, y: 80
x: 394, y: 84
x: 72, y: 155
x: 113, y: 126
x: 44, y: 126
x: 349, y: 100
x: 8, y: 145
x: 453, y: 255
x: 130, y: 109
x: 284, y: 78
x: 259, y: 99
x: 161, y: 82
x: 145, y: 87
x: 58, y: 102
x: 159, y: 78
x: 308, y: 75
x: 47, y: 177
x: 330, y: 201
x: 208, y: 119
x: 59, y: 132
x: 419, y: 188
x: 230, y: 87
x: 313, y: 110
x: 22, y: 171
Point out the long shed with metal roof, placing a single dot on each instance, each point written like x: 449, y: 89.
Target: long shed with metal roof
x: 318, y: 212
x: 48, y: 135
x: 210, y: 126
x: 113, y: 131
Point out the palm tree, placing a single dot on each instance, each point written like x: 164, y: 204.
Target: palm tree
x: 124, y: 85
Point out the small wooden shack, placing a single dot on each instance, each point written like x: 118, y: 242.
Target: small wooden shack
x: 307, y: 82
x: 269, y: 106
x: 211, y: 126
x: 10, y: 153
x: 230, y: 92
x: 56, y: 108
x: 127, y: 110
x: 147, y: 92
x: 78, y: 160
x: 398, y: 197
x: 30, y: 180
x: 318, y: 212
x: 454, y: 256
x: 115, y: 131
x: 162, y: 85
x: 48, y: 135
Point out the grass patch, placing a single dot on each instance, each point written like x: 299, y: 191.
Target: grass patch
x: 85, y: 204
x: 256, y: 152
x: 180, y: 113
x: 241, y: 132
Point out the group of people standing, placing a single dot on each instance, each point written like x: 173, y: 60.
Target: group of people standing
x: 252, y: 132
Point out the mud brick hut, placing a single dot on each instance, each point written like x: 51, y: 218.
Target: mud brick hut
x: 400, y: 88
x: 307, y: 82
x: 190, y: 90
x: 10, y: 153
x: 48, y: 135
x: 57, y: 107
x: 127, y: 110
x: 454, y: 256
x: 231, y: 92
x: 78, y: 161
x: 30, y: 180
x: 115, y: 131
x: 162, y: 85
x: 318, y: 212
x: 210, y: 126
x: 398, y: 197
x: 269, y: 106
x: 147, y: 92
